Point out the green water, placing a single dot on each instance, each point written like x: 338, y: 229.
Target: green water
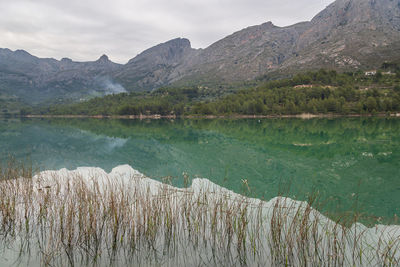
x: 352, y: 163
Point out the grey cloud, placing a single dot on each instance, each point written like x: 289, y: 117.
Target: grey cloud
x: 84, y: 30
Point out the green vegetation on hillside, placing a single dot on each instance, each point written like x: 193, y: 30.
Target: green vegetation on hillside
x: 313, y: 92
x: 318, y: 92
x: 10, y: 105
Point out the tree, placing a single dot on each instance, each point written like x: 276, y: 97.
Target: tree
x: 371, y: 104
x: 378, y: 76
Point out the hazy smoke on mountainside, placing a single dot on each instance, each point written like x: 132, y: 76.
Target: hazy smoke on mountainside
x: 109, y: 87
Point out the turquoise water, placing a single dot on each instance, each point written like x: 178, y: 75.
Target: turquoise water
x: 352, y: 163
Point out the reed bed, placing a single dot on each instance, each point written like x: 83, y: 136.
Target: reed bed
x: 90, y: 218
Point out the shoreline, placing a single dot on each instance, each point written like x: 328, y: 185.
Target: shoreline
x: 157, y: 116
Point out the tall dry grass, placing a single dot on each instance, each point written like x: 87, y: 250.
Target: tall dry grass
x: 101, y: 221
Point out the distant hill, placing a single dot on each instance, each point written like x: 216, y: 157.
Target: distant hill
x: 36, y: 80
x: 347, y: 35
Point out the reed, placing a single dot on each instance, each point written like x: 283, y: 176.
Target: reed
x: 93, y: 219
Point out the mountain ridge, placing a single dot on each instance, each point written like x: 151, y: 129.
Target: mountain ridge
x: 347, y: 35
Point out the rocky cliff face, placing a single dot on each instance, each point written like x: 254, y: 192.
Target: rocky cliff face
x: 156, y: 66
x: 248, y: 53
x: 348, y: 34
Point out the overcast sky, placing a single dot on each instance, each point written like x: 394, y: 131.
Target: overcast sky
x: 85, y: 29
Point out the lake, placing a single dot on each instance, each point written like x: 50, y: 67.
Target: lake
x: 352, y: 164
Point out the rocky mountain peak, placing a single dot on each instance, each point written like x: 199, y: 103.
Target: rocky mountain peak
x: 179, y: 42
x: 342, y: 12
x: 66, y: 60
x: 104, y: 59
x: 354, y: 19
x: 23, y: 55
x: 22, y: 52
x: 166, y: 53
x: 156, y: 66
x: 268, y: 25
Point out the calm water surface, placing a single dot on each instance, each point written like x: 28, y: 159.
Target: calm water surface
x: 350, y: 163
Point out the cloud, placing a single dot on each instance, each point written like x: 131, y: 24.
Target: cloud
x: 84, y: 30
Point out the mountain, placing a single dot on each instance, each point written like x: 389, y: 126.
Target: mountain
x: 347, y: 35
x: 157, y: 66
x: 247, y: 54
x: 350, y: 34
x: 35, y: 80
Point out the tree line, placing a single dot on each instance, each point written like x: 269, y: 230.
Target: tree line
x: 317, y: 92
